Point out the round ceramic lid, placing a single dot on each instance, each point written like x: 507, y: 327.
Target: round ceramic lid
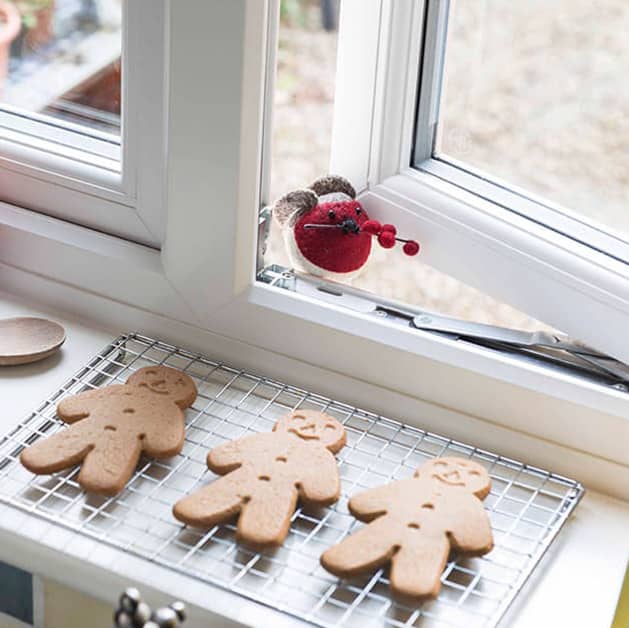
x: 27, y: 339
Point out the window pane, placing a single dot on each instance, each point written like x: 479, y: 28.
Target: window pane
x: 304, y: 93
x: 533, y: 94
x: 61, y: 58
x: 300, y: 152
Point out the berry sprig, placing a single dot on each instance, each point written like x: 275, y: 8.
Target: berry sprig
x: 387, y: 237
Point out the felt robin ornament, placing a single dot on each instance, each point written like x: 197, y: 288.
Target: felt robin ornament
x: 328, y: 232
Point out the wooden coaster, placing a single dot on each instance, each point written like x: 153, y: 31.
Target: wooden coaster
x: 24, y: 340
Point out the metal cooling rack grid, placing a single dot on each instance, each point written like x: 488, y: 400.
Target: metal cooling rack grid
x: 527, y: 506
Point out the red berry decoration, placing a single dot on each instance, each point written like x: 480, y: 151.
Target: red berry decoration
x: 411, y: 248
x: 373, y: 227
x: 386, y: 240
x: 390, y: 228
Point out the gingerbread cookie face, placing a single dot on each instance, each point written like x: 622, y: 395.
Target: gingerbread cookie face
x: 265, y: 475
x: 413, y: 524
x: 315, y: 426
x: 111, y: 427
x: 166, y: 382
x: 457, y: 472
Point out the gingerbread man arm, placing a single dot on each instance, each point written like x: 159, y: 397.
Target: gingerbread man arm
x: 368, y: 505
x: 319, y: 485
x: 469, y: 528
x: 214, y: 503
x: 77, y: 407
x: 229, y: 456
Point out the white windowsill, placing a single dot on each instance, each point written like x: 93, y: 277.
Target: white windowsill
x: 551, y: 421
x: 593, y: 542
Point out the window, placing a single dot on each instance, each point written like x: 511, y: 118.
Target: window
x: 64, y: 62
x: 301, y: 147
x: 197, y: 167
x: 530, y: 114
x: 73, y: 82
x: 415, y: 138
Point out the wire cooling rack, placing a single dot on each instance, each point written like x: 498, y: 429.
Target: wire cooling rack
x: 527, y: 506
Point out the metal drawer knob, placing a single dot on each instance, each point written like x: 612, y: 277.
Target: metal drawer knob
x: 132, y: 612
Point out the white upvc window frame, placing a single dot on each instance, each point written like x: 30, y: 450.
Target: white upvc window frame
x: 205, y: 273
x: 426, y: 156
x: 95, y: 179
x: 533, y: 267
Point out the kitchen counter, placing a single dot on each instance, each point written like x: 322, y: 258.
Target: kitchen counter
x: 577, y: 583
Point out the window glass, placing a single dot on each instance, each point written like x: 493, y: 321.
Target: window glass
x: 300, y: 152
x: 533, y: 94
x: 61, y: 58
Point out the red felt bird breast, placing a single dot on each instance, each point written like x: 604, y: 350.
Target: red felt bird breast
x: 342, y: 248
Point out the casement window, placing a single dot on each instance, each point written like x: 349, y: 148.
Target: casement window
x: 82, y: 114
x: 433, y: 122
x: 196, y: 170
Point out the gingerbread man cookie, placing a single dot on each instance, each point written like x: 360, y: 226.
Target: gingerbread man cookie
x: 264, y: 476
x: 111, y: 427
x: 414, y: 523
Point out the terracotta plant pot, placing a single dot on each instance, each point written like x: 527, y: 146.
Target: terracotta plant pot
x: 10, y: 24
x: 43, y: 31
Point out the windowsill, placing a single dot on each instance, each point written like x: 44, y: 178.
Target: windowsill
x: 524, y: 412
x: 594, y: 540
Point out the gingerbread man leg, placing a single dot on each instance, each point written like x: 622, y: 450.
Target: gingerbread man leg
x: 417, y: 566
x: 214, y: 503
x: 369, y: 548
x: 265, y: 518
x: 59, y: 451
x: 108, y: 467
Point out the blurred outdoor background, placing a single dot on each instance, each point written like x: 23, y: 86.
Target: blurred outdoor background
x: 61, y: 58
x: 532, y: 94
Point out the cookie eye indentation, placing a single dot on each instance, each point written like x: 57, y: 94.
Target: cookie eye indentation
x: 474, y: 472
x: 428, y: 506
x: 281, y: 459
x: 329, y: 426
x: 129, y: 410
x: 413, y: 526
x: 264, y: 478
x: 110, y: 428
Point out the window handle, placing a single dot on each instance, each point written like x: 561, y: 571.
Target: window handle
x: 494, y: 333
x: 516, y: 338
